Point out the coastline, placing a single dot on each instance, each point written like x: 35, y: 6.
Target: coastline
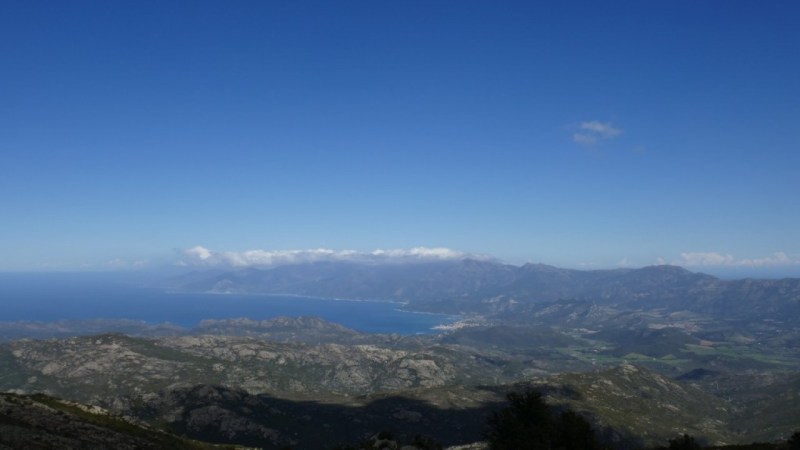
x: 445, y: 321
x: 185, y: 309
x: 259, y: 294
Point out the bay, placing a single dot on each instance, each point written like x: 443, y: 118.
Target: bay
x: 50, y: 298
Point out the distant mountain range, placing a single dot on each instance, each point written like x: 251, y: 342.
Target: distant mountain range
x: 485, y: 287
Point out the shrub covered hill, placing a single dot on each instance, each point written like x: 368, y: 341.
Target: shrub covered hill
x: 643, y: 355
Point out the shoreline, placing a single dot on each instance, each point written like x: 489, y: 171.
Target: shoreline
x: 448, y: 322
x: 144, y: 307
x: 258, y: 294
x: 457, y: 317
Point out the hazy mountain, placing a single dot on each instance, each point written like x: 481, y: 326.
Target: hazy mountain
x: 487, y: 287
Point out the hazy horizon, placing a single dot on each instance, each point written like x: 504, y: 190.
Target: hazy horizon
x: 228, y: 261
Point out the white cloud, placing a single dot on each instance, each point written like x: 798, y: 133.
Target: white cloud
x: 199, y: 252
x: 201, y: 256
x: 421, y: 253
x: 724, y: 259
x: 593, y: 131
x: 706, y: 259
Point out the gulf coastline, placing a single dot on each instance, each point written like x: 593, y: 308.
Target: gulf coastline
x: 54, y: 300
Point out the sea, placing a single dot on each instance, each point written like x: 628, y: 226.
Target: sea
x: 52, y: 297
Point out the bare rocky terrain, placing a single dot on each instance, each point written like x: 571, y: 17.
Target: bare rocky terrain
x: 250, y: 390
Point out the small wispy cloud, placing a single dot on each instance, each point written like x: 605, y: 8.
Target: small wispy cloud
x: 725, y: 259
x: 593, y: 131
x: 584, y: 139
x: 201, y: 256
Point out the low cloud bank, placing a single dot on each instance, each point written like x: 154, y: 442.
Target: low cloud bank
x: 694, y: 259
x: 201, y: 256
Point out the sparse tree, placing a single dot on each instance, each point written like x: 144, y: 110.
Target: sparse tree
x: 524, y: 424
x: 527, y: 423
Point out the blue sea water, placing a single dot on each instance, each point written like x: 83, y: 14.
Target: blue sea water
x: 51, y: 298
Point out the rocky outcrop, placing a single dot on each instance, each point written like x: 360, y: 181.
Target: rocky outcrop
x: 97, y: 368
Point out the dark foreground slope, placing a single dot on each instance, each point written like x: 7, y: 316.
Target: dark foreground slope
x: 452, y: 416
x: 42, y: 422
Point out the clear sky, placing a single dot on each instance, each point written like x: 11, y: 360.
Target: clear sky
x: 579, y: 134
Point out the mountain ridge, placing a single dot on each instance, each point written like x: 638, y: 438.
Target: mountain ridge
x: 470, y: 286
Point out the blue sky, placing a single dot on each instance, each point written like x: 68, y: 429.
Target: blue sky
x: 580, y: 134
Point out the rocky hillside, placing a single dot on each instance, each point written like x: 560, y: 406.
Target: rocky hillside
x: 641, y: 404
x: 249, y: 389
x: 96, y: 368
x: 41, y: 422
